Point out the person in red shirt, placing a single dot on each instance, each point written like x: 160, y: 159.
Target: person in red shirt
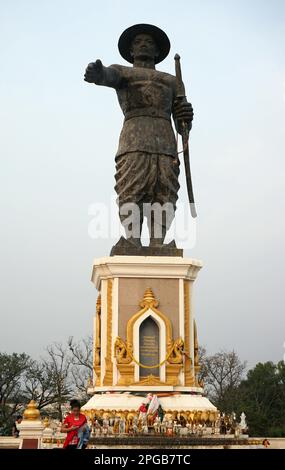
x: 71, y: 425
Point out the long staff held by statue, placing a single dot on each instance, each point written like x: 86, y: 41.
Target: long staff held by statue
x: 180, y: 95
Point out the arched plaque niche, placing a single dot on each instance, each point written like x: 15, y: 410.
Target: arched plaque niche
x: 149, y: 347
x: 149, y: 342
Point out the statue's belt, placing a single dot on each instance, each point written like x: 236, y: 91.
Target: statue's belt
x: 147, y: 112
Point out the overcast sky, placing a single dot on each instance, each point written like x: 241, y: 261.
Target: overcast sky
x: 58, y: 140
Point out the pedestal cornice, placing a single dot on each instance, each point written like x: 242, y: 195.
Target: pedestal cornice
x: 144, y: 267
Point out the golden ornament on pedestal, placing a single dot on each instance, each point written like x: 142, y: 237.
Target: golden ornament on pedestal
x: 31, y: 412
x: 46, y: 422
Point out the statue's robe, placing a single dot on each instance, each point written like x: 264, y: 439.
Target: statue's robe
x: 147, y: 166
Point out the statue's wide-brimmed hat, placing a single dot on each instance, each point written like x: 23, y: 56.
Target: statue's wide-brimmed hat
x: 158, y: 35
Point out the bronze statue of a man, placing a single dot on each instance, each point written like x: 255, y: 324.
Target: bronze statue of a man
x: 147, y: 165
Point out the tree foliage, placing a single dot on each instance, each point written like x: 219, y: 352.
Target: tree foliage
x: 260, y: 394
x: 222, y: 373
x: 12, y: 370
x: 262, y: 397
x: 48, y: 381
x: 82, y: 364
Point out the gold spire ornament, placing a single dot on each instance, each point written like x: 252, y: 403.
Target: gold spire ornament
x: 148, y: 299
x: 31, y: 412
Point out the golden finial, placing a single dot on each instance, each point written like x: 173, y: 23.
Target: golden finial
x: 149, y: 299
x: 148, y: 295
x: 31, y: 412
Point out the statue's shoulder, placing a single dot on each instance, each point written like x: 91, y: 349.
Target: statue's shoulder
x: 166, y: 75
x: 121, y: 68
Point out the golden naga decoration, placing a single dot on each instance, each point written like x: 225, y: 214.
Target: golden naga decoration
x: 124, y: 355
x: 121, y: 352
x: 176, y: 356
x: 31, y: 412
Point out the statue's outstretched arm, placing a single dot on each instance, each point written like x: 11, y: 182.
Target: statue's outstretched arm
x: 106, y: 76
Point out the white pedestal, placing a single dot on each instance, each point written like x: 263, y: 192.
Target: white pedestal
x: 133, y: 289
x: 30, y: 433
x: 123, y: 282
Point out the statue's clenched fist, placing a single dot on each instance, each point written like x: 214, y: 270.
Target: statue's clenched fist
x: 183, y: 114
x: 183, y: 110
x: 94, y: 72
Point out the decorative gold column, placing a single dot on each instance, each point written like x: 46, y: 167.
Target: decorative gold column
x: 108, y: 378
x: 97, y: 348
x: 172, y: 374
x: 196, y: 357
x: 188, y: 371
x: 126, y: 374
